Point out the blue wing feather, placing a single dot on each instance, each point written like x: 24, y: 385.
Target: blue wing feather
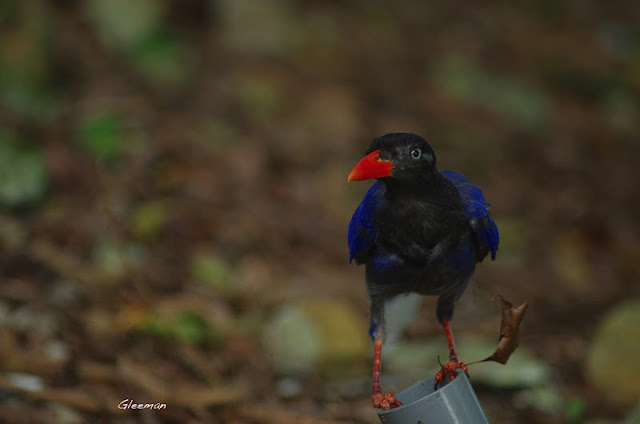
x: 477, y: 209
x: 362, y: 232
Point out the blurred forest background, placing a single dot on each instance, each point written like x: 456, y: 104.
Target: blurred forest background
x: 174, y: 204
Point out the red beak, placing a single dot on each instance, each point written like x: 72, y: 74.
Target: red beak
x: 371, y: 167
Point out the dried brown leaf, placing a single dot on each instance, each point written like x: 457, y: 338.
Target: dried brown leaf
x: 509, y: 329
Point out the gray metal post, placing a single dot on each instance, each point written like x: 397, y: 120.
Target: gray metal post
x: 455, y: 403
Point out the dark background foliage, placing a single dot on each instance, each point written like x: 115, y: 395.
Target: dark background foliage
x: 174, y: 204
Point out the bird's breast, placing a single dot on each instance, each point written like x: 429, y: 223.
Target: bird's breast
x: 420, y: 232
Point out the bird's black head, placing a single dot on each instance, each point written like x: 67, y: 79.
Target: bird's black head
x: 397, y: 155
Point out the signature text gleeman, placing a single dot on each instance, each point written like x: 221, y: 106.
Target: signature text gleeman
x: 129, y: 404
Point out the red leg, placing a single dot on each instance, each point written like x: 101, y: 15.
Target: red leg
x: 449, y: 369
x: 378, y: 398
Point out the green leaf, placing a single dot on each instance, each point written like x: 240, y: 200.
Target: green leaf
x: 186, y: 326
x: 161, y: 57
x: 575, y: 409
x: 212, y: 270
x: 100, y: 135
x: 23, y: 178
x: 190, y: 327
x: 148, y: 219
x: 123, y: 23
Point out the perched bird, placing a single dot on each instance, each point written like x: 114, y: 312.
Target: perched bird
x: 417, y: 230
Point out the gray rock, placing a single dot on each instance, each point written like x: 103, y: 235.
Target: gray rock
x: 612, y: 364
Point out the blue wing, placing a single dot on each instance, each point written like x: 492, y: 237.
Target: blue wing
x: 362, y: 233
x: 480, y: 220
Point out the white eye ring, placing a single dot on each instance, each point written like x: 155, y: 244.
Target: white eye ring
x: 416, y: 153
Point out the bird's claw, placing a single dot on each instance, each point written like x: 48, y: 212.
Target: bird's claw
x: 385, y: 401
x: 449, y: 370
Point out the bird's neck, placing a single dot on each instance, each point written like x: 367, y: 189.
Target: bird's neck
x: 432, y: 188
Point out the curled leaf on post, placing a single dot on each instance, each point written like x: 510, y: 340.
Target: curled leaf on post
x: 509, y: 330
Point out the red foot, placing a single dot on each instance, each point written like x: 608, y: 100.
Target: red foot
x: 378, y: 398
x: 449, y: 370
x: 385, y: 401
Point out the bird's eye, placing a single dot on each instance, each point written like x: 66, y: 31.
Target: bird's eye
x: 416, y: 153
